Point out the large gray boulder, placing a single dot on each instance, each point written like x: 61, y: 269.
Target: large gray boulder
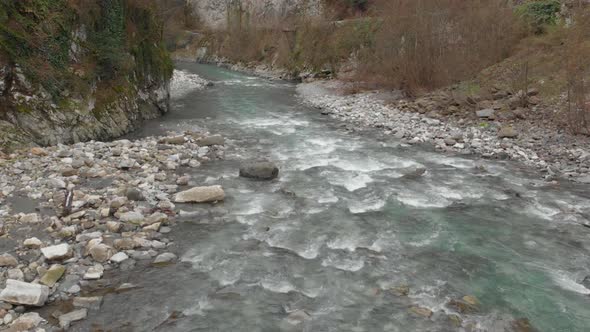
x: 200, y: 195
x: 262, y: 170
x: 19, y: 292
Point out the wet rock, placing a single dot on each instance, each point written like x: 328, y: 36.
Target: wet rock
x: 586, y: 282
x: 421, y: 311
x: 88, y: 302
x: 211, y: 140
x: 401, y: 290
x: 259, y: 170
x: 132, y: 217
x: 125, y: 244
x: 94, y: 272
x: 16, y: 274
x: 455, y: 320
x: 200, y: 195
x: 450, y: 142
x: 183, y: 180
x: 8, y: 260
x: 52, y: 275
x: 26, y: 322
x: 166, y: 257
x: 507, y: 132
x: 119, y: 257
x: 156, y: 217
x: 134, y: 195
x: 19, y: 292
x: 33, y: 243
x: 76, y: 315
x: 30, y: 218
x: 101, y: 252
x: 467, y: 304
x: 57, y: 252
x: 522, y: 325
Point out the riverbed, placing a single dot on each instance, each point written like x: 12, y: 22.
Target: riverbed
x: 359, y: 233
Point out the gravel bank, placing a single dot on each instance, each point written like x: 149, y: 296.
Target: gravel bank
x: 69, y: 214
x: 556, y: 155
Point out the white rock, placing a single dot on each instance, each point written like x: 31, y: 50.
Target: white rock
x: 19, y: 292
x: 30, y: 218
x: 165, y: 258
x: 59, y: 251
x: 94, y: 272
x: 33, y: 243
x: 200, y: 195
x: 119, y: 257
x: 27, y: 322
x: 72, y: 316
x: 132, y: 217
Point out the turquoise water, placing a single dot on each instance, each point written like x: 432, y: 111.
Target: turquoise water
x: 346, y: 222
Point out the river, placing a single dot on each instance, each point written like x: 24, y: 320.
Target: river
x: 349, y: 219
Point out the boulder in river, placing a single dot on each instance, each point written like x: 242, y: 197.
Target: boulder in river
x: 263, y: 170
x: 200, y: 195
x: 19, y: 292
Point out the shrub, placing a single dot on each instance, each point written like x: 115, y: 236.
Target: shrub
x: 539, y: 14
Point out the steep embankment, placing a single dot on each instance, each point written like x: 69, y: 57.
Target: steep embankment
x: 79, y: 70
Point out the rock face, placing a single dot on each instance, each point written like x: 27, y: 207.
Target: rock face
x: 200, y: 195
x: 215, y: 13
x: 39, y: 112
x: 259, y: 170
x: 18, y: 292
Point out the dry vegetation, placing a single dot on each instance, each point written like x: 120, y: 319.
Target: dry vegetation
x: 422, y: 45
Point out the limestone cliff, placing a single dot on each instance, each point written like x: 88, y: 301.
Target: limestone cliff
x: 215, y: 13
x: 76, y: 70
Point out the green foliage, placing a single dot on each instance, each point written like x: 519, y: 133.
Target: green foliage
x: 539, y: 14
x: 119, y: 41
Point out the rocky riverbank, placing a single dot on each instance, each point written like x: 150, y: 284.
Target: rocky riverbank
x: 486, y: 132
x: 69, y: 214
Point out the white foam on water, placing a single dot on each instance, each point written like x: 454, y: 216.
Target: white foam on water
x: 370, y: 205
x: 542, y: 211
x: 184, y: 82
x: 328, y: 197
x: 344, y: 243
x: 306, y: 250
x: 567, y: 282
x: 345, y: 264
x: 198, y: 309
x: 422, y: 200
x: 277, y: 286
x: 360, y: 165
x: 351, y: 182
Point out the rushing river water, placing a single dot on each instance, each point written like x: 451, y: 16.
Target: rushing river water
x: 348, y: 220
